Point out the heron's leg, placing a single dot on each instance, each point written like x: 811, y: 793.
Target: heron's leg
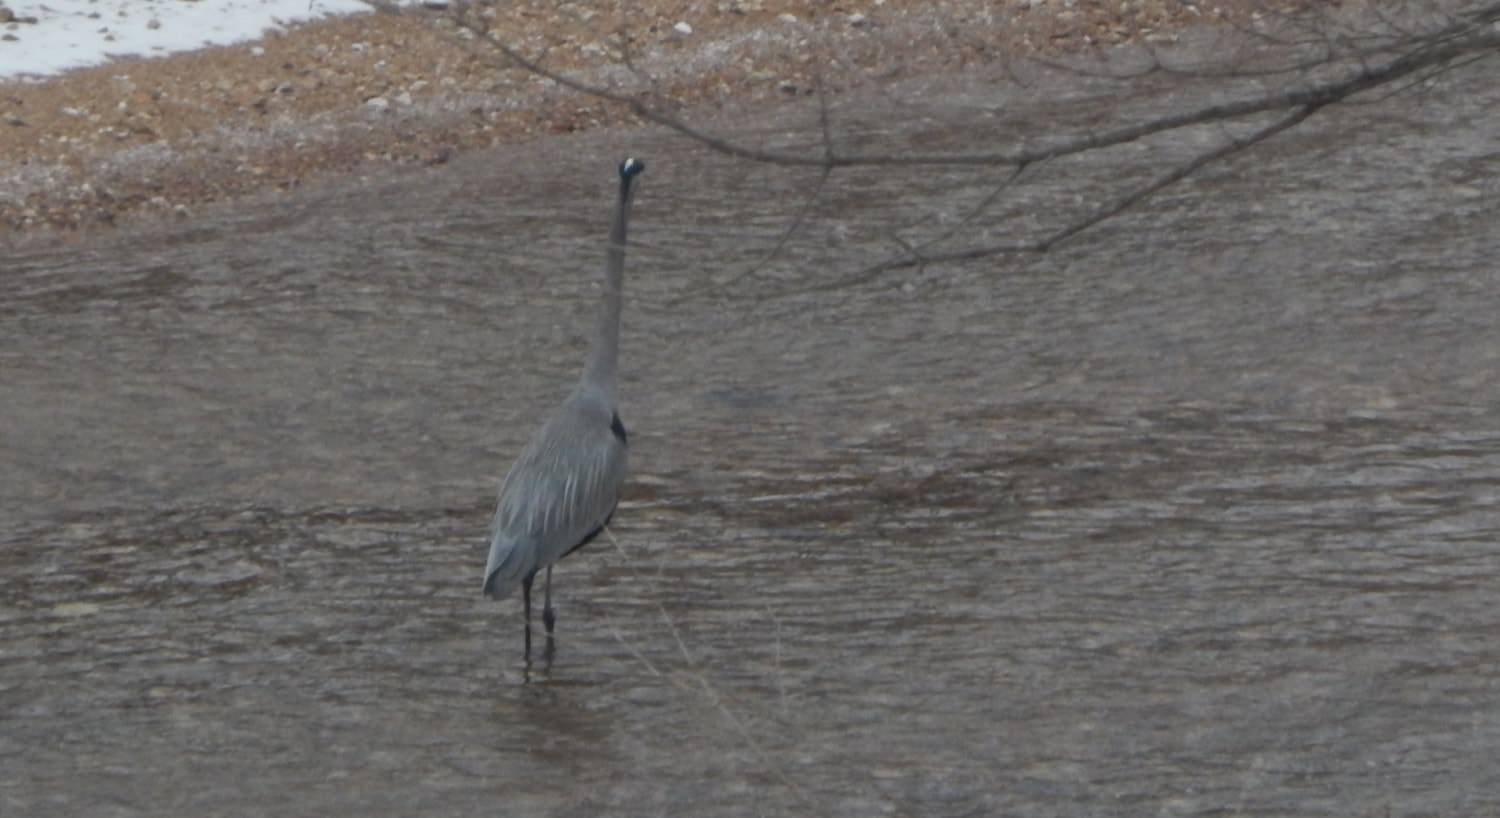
x: 549, y: 618
x: 526, y: 603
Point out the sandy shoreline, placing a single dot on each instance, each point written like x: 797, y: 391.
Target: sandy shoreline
x: 169, y: 134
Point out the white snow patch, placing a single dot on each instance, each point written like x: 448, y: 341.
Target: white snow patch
x: 76, y: 33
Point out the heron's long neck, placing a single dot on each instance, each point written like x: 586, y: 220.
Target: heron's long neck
x: 604, y: 355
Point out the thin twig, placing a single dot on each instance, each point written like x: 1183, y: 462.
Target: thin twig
x: 780, y: 672
x: 781, y: 242
x: 1119, y: 206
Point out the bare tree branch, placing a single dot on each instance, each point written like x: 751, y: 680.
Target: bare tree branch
x: 1460, y: 39
x: 917, y: 254
x: 1336, y: 64
x: 781, y: 242
x: 1043, y: 245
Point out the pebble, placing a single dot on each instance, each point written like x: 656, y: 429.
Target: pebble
x: 378, y: 104
x: 683, y: 28
x: 8, y: 16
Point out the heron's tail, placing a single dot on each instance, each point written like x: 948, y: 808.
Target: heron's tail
x: 506, y: 567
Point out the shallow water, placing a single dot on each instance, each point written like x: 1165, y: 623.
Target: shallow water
x: 1194, y: 516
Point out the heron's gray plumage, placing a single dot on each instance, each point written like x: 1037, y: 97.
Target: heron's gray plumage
x: 564, y: 486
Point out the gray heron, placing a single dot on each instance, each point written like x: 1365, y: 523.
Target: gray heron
x: 563, y: 488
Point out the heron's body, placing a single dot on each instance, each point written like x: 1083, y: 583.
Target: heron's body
x: 564, y: 486
x: 560, y: 491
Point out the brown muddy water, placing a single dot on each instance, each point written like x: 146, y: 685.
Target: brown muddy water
x: 1196, y: 515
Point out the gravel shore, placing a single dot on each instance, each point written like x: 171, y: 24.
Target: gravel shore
x: 169, y: 134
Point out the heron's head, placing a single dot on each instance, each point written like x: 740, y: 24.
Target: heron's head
x: 631, y: 167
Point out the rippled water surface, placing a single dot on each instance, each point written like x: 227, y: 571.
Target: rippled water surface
x: 1195, y: 515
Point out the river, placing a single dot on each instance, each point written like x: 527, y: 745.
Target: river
x: 1194, y: 515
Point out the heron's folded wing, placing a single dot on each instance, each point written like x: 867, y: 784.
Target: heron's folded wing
x: 563, y: 486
